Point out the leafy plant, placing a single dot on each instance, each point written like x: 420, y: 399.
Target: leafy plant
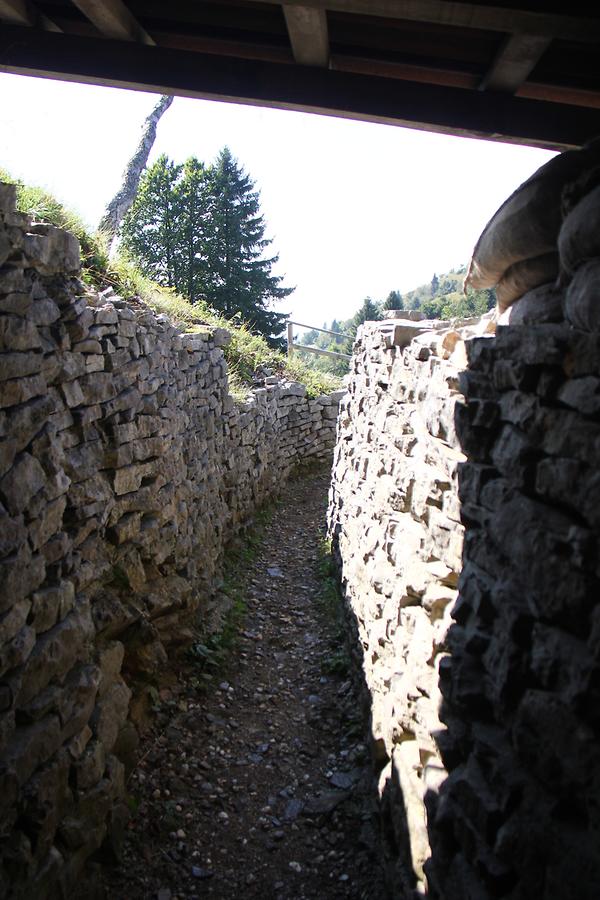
x: 331, y: 603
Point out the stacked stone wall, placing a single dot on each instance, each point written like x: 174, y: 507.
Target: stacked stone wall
x: 484, y: 700
x: 519, y: 815
x: 125, y: 467
x: 395, y: 524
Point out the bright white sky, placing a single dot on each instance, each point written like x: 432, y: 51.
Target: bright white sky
x: 355, y: 209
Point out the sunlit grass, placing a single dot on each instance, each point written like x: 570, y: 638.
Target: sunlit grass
x: 247, y: 355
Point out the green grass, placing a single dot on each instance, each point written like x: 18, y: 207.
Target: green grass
x: 247, y: 353
x: 212, y: 653
x: 42, y: 206
x: 331, y: 603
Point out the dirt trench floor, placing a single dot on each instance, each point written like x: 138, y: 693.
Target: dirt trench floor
x: 261, y: 785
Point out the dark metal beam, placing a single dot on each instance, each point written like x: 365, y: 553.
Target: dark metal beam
x: 517, y: 58
x: 438, y: 108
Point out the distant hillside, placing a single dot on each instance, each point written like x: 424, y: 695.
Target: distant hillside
x: 443, y: 298
x: 440, y: 298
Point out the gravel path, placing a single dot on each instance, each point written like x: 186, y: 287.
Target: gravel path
x: 261, y: 787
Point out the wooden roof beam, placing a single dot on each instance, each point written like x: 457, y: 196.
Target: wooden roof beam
x: 114, y: 20
x: 433, y: 107
x: 466, y: 15
x: 23, y: 12
x: 309, y: 37
x: 514, y: 62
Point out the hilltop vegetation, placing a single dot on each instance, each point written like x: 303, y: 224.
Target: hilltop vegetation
x: 441, y: 298
x: 198, y: 228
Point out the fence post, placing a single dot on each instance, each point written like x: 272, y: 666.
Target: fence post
x: 290, y: 339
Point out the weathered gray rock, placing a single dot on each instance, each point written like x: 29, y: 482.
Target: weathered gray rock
x: 125, y: 467
x: 582, y: 303
x: 397, y: 536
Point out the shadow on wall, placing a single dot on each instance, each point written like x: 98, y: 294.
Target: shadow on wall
x: 517, y: 647
x: 519, y: 814
x: 394, y: 523
x: 392, y: 828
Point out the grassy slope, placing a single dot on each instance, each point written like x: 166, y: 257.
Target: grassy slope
x: 246, y: 354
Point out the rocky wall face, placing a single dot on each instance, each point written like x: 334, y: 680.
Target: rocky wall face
x: 484, y: 699
x: 519, y: 815
x: 395, y: 525
x: 125, y: 466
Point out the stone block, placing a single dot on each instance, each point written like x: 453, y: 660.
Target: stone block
x: 17, y: 334
x: 126, y: 529
x: 12, y: 533
x: 110, y: 714
x: 44, y: 312
x: 18, y: 365
x: 8, y: 197
x: 77, y: 700
x: 129, y: 478
x: 20, y: 574
x: 61, y: 249
x: 90, y: 767
x: 48, y: 523
x: 51, y: 604
x: 33, y: 745
x: 17, y: 650
x: 72, y: 393
x: 57, y: 651
x: 110, y: 661
x: 98, y: 387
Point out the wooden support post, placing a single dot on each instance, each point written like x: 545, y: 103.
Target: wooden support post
x: 290, y: 340
x: 307, y: 29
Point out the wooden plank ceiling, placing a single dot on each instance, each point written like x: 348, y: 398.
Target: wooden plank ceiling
x: 505, y: 72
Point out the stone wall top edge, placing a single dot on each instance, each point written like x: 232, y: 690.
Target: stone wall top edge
x: 50, y: 251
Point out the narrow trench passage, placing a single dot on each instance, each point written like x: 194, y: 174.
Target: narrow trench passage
x: 262, y: 785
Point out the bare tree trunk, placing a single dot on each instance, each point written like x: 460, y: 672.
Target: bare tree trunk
x: 119, y: 205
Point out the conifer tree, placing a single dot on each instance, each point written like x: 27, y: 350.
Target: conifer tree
x: 150, y: 231
x: 200, y: 230
x: 192, y: 196
x: 393, y: 300
x: 368, y: 312
x: 238, y: 277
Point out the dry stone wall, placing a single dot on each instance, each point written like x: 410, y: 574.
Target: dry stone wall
x: 519, y: 815
x: 395, y: 523
x: 125, y: 466
x: 484, y: 700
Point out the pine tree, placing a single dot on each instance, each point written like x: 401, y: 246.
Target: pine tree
x: 393, y: 301
x: 238, y: 278
x: 200, y: 231
x: 368, y: 312
x: 150, y: 231
x: 193, y: 225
